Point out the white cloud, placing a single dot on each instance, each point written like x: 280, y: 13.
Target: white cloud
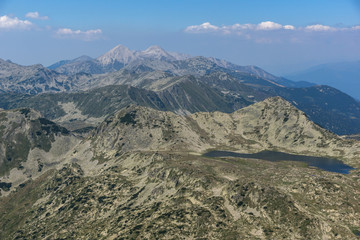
x: 289, y: 27
x: 36, y: 15
x: 88, y: 35
x: 320, y: 28
x: 205, y: 27
x: 268, y: 25
x: 237, y: 28
x: 269, y: 32
x: 7, y: 22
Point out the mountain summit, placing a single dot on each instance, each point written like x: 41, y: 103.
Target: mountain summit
x: 119, y: 53
x: 116, y: 59
x: 156, y: 52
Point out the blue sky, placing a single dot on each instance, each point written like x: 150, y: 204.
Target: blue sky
x: 280, y: 36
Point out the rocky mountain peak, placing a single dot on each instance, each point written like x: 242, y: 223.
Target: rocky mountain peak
x: 154, y: 49
x: 275, y: 109
x: 141, y: 128
x: 7, y: 64
x: 119, y: 53
x: 267, y: 124
x: 278, y: 102
x: 82, y: 58
x: 156, y: 52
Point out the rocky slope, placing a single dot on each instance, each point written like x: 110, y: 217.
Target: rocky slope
x: 217, y: 91
x: 186, y: 96
x: 327, y: 106
x: 160, y: 196
x: 31, y: 79
x: 177, y: 83
x: 271, y: 124
x: 29, y: 146
x: 140, y: 175
x: 83, y: 58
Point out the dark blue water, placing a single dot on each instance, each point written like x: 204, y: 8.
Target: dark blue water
x: 327, y: 164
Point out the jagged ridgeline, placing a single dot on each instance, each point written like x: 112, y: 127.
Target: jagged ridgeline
x: 164, y: 81
x: 327, y: 107
x: 141, y: 174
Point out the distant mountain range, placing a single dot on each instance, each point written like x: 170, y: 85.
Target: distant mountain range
x: 73, y: 75
x: 83, y: 58
x: 32, y: 79
x: 114, y: 60
x: 344, y: 76
x: 164, y: 81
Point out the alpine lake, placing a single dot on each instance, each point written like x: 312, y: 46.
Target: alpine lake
x: 327, y: 164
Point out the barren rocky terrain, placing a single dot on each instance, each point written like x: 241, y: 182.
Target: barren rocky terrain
x: 140, y: 174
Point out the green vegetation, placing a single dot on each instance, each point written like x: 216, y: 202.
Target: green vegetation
x: 129, y: 118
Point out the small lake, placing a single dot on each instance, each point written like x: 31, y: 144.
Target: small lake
x: 327, y: 164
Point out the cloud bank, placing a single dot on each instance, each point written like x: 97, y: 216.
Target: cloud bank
x: 238, y: 28
x: 9, y: 23
x: 87, y: 35
x: 36, y: 15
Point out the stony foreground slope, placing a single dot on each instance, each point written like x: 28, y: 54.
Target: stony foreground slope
x: 29, y: 146
x: 140, y: 175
